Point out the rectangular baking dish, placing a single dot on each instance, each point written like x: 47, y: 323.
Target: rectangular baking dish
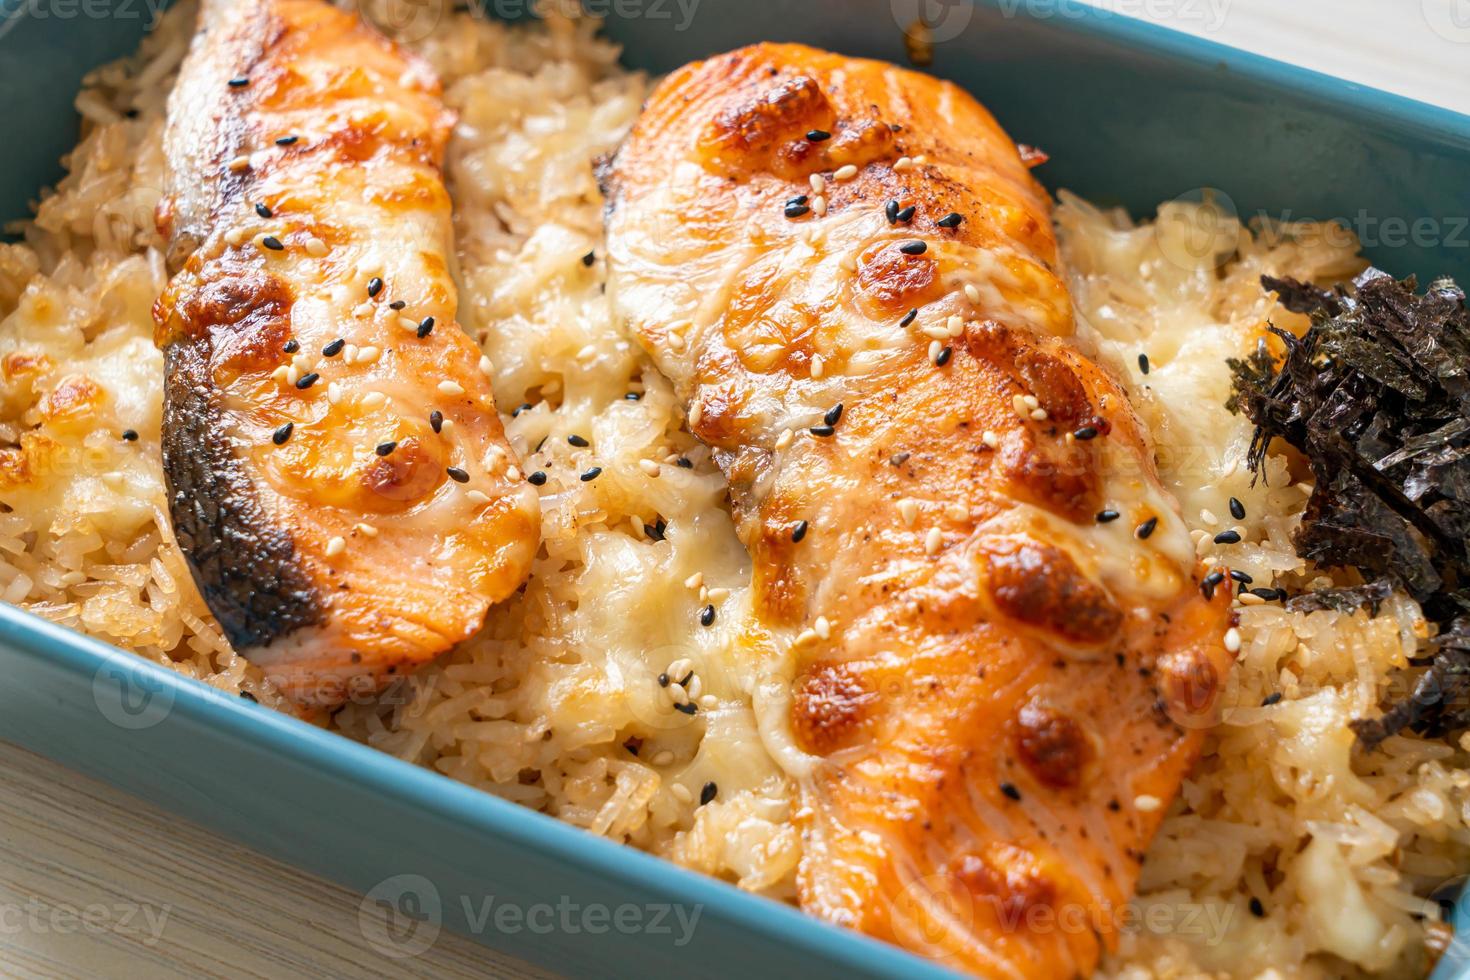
x: 1131, y: 114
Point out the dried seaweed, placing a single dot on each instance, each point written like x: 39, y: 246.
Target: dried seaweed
x: 1376, y: 397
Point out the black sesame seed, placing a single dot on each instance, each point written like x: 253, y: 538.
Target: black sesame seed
x: 515, y: 413
x: 1257, y: 909
x: 632, y: 396
x: 537, y: 479
x: 1237, y: 509
x: 426, y: 326
x: 436, y: 420
x: 707, y: 616
x: 834, y: 414
x: 1241, y: 577
x: 1273, y: 698
x: 708, y: 794
x: 798, y: 531
x: 687, y: 708
x: 944, y: 357
x: 799, y: 199
x: 1227, y: 537
x: 398, y: 304
x: 264, y: 211
x: 239, y: 81
x: 457, y: 475
x: 1085, y: 433
x: 280, y: 436
x: 130, y: 435
x: 334, y: 348
x: 384, y: 448
x: 307, y: 380
x: 273, y: 243
x: 1143, y: 363
x: 1010, y: 791
x: 589, y: 258
x: 951, y: 220
x: 247, y: 696
x: 908, y: 318
x: 291, y: 346
x: 663, y: 680
x: 1107, y: 516
x: 1270, y: 595
x: 913, y: 248
x: 818, y: 135
x: 822, y: 430
x: 589, y: 475
x: 891, y: 211
x: 1147, y: 527
x: 1207, y: 586
x: 904, y: 217
x: 578, y: 441
x: 657, y: 531
x: 375, y: 286
x: 684, y: 463
x: 796, y: 210
x: 287, y: 140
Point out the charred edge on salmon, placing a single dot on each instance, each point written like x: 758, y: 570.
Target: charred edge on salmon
x: 245, y: 568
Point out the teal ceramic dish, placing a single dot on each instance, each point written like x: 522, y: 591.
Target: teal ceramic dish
x: 1131, y: 114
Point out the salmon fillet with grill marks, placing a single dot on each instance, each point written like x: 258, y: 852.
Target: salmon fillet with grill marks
x: 338, y: 476
x: 850, y: 275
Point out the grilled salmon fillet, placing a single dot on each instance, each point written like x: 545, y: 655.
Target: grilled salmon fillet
x: 337, y: 473
x: 1005, y: 651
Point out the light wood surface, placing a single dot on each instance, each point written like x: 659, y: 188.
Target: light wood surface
x: 69, y: 845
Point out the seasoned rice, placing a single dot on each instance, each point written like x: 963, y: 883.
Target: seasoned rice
x: 556, y: 704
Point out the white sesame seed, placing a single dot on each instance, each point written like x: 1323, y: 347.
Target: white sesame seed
x: 336, y: 546
x: 822, y: 628
x: 367, y: 355
x: 1249, y: 599
x: 363, y: 310
x: 675, y: 341
x: 956, y: 325
x: 1031, y: 401
x: 819, y: 206
x: 239, y: 163
x: 315, y: 247
x: 805, y: 637
x: 935, y: 349
x: 1039, y: 414
x: 279, y: 374
x: 696, y: 412
x: 908, y: 509
x: 477, y: 497
x: 921, y: 158
x: 990, y: 439
x: 406, y: 323
x: 649, y: 467
x: 334, y: 392
x: 1232, y: 640
x: 450, y: 388
x: 367, y: 530
x: 663, y: 758
x: 935, y: 332
x: 375, y: 399
x: 446, y: 427
x: 972, y: 294
x: 817, y: 365
x: 845, y: 173
x: 293, y: 374
x: 695, y: 688
x: 933, y: 541
x: 234, y: 236
x: 636, y: 523
x: 903, y: 163
x: 1207, y: 516
x: 694, y: 581
x: 513, y: 474
x: 718, y: 595
x: 1019, y: 405
x: 587, y: 353
x: 676, y: 692
x: 681, y: 792
x: 486, y: 368
x: 709, y: 702
x: 784, y: 439
x: 818, y: 183
x: 1146, y: 804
